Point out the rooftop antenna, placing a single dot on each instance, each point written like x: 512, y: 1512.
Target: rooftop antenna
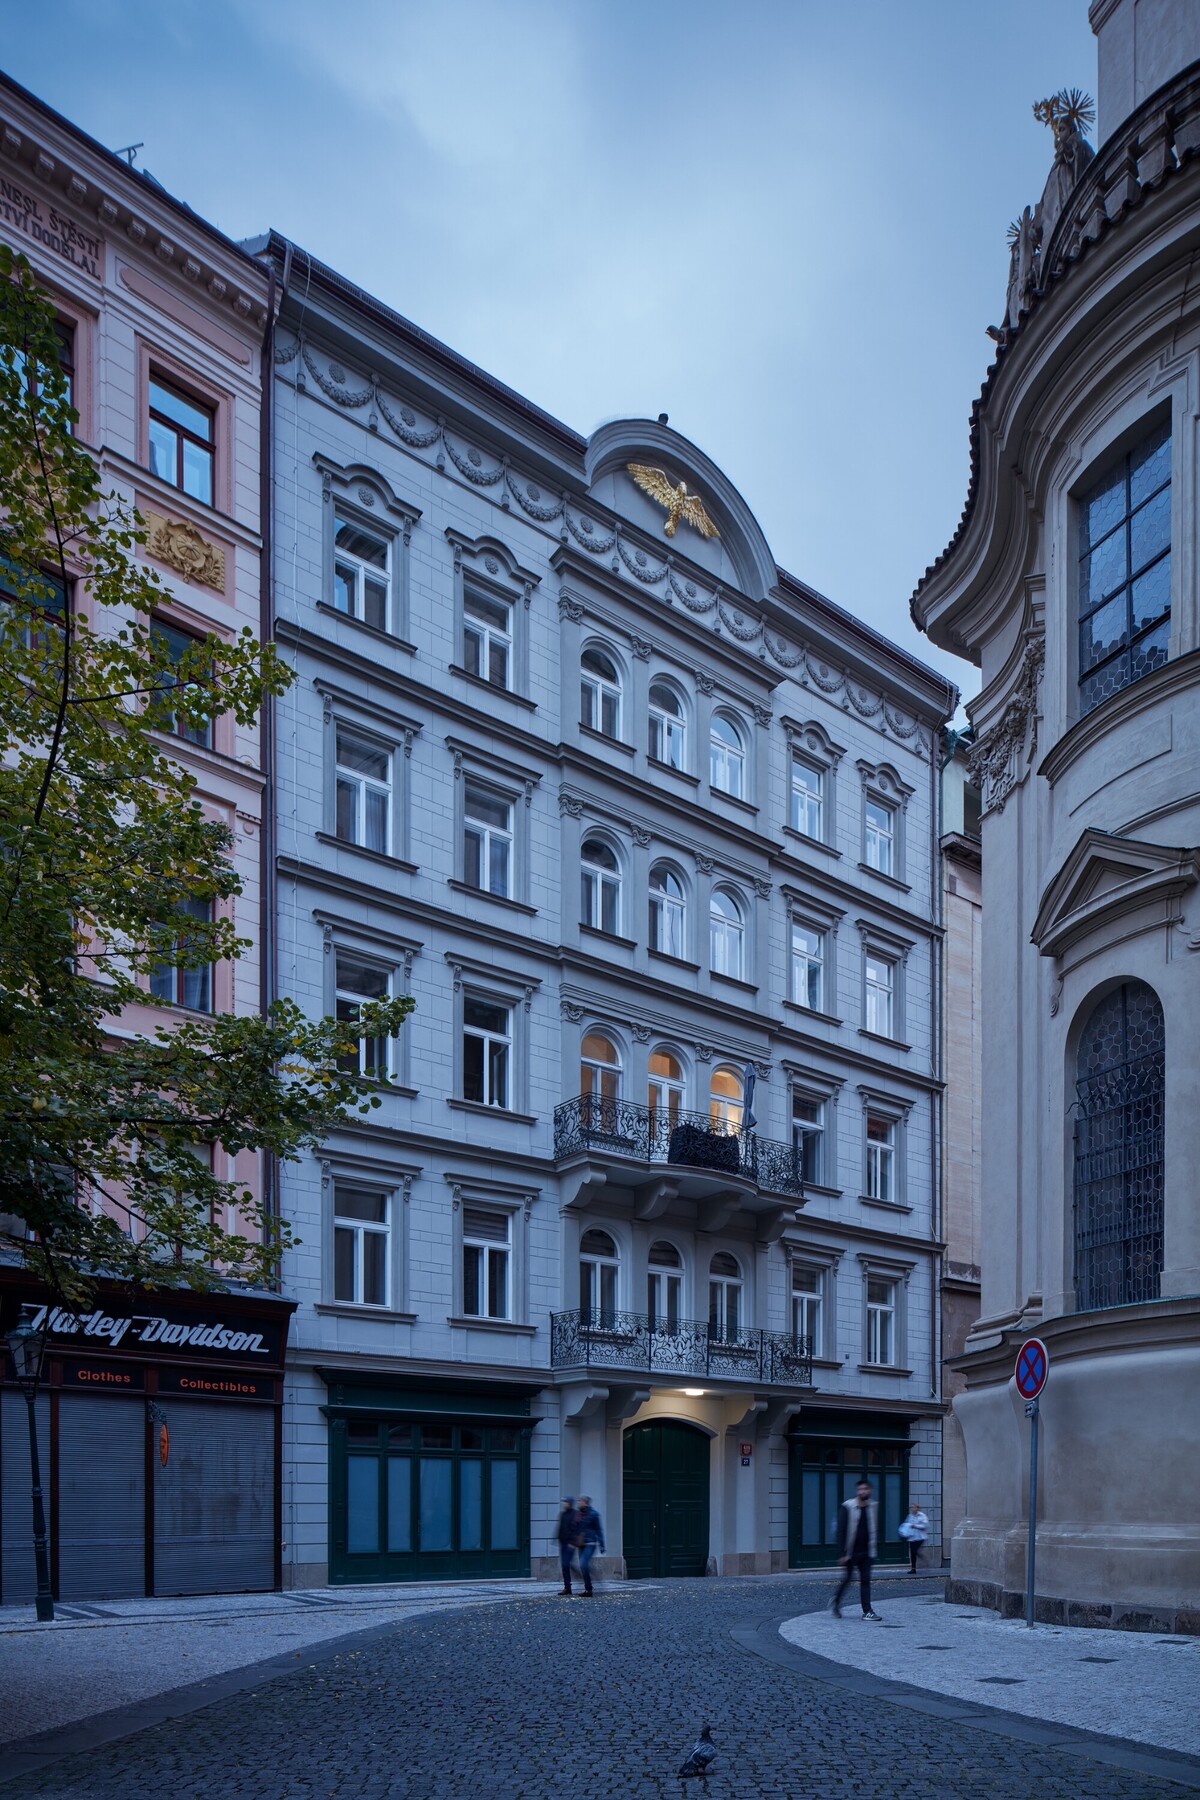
x: 130, y: 152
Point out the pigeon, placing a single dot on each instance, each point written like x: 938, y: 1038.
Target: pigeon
x: 700, y: 1761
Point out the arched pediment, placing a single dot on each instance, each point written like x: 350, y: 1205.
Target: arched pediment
x: 738, y: 557
x: 1108, y: 877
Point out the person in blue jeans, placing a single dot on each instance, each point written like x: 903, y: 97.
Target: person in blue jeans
x: 567, y: 1534
x: 589, y: 1535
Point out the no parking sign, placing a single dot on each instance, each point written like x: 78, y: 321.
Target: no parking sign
x: 1033, y: 1366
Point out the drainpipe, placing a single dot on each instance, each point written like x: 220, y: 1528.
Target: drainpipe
x: 267, y: 954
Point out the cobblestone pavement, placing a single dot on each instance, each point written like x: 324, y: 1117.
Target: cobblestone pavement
x: 546, y: 1698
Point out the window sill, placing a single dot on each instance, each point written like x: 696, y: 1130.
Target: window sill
x: 502, y: 1325
x: 602, y: 737
x: 375, y: 856
x: 827, y: 1193
x: 734, y: 981
x: 827, y: 1362
x: 676, y: 962
x: 491, y: 687
x: 490, y: 1112
x: 464, y: 887
x: 885, y: 1369
x: 878, y: 1037
x: 892, y: 881
x: 652, y: 762
x: 892, y: 1206
x: 608, y: 937
x: 372, y: 631
x: 811, y: 842
x: 392, y: 1087
x: 812, y: 1012
x: 348, y: 1309
x: 746, y: 806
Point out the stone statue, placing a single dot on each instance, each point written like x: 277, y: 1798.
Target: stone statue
x: 1068, y: 113
x: 1024, y: 237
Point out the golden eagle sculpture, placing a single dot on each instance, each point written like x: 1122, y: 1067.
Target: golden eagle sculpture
x: 678, y: 503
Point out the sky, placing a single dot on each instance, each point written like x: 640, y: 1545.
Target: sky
x: 782, y: 222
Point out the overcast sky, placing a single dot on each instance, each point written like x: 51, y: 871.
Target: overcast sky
x: 780, y: 221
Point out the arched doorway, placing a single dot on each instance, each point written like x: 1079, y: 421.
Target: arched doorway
x: 665, y: 1500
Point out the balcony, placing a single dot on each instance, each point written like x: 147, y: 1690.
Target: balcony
x: 664, y: 1155
x: 636, y: 1344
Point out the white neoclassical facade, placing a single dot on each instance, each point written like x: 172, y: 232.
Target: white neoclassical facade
x: 1072, y: 584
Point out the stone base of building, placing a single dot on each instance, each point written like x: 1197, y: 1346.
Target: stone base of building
x: 305, y: 1575
x: 1054, y: 1609
x: 604, y: 1568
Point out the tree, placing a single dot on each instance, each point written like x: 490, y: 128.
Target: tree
x: 109, y: 870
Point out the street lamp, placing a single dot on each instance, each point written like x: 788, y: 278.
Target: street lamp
x: 27, y: 1347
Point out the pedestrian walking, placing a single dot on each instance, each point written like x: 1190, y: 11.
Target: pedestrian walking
x: 915, y: 1529
x: 858, y: 1544
x: 567, y: 1533
x: 589, y: 1537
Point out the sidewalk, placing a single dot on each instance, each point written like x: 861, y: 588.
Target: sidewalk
x: 1123, y: 1684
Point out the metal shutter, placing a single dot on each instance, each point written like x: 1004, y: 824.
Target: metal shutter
x: 18, y: 1576
x: 101, y: 1497
x: 214, y: 1502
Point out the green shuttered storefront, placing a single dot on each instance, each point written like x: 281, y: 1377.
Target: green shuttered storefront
x: 829, y: 1453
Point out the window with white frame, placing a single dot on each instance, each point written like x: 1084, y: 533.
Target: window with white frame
x: 664, y: 1287
x: 487, y: 638
x: 664, y: 1092
x: 724, y: 1298
x: 667, y: 728
x: 363, y: 811
x: 809, y: 950
x: 361, y: 573
x: 600, y: 693
x: 357, y: 983
x: 361, y: 1244
x: 181, y: 984
x: 808, y: 1304
x: 599, y: 1266
x: 727, y: 936
x: 487, y: 1051
x: 599, y: 1067
x: 668, y: 912
x: 600, y: 887
x: 726, y: 1101
x: 879, y: 847
x: 726, y: 757
x: 879, y: 994
x: 808, y: 1138
x: 882, y: 1307
x: 881, y: 1135
x: 808, y: 799
x: 487, y: 1263
x: 487, y: 840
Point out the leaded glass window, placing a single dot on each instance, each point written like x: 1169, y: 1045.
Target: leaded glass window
x: 1125, y: 571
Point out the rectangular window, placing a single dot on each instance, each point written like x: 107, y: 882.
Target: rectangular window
x: 487, y: 1046
x: 64, y: 333
x: 881, y: 1157
x: 178, y: 644
x: 808, y: 1299
x: 881, y: 1321
x: 808, y: 967
x: 364, y: 792
x: 186, y: 987
x: 43, y: 597
x: 880, y: 846
x: 1125, y: 571
x: 181, y: 441
x: 487, y: 841
x: 879, y: 984
x: 361, y: 1229
x: 808, y: 1136
x: 361, y: 580
x: 357, y: 983
x: 808, y: 799
x: 487, y: 639
x: 486, y: 1264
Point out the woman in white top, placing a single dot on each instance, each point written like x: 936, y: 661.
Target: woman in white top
x: 916, y: 1529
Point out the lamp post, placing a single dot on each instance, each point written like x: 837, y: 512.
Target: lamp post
x: 27, y: 1347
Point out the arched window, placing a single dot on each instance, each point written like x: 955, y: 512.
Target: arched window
x: 667, y: 729
x: 600, y: 898
x: 600, y: 693
x: 725, y: 1101
x: 724, y: 1298
x: 664, y: 1287
x: 727, y: 936
x: 726, y: 757
x: 1125, y: 570
x: 599, y: 1068
x: 666, y: 1087
x: 1119, y: 1151
x: 668, y: 912
x: 598, y: 1266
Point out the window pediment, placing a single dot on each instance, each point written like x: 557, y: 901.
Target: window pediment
x: 1105, y: 877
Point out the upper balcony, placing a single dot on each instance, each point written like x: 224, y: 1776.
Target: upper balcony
x: 660, y: 1156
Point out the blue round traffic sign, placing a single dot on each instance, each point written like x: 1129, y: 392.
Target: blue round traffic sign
x: 1033, y: 1366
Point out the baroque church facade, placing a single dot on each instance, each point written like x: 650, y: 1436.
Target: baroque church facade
x: 1071, y: 583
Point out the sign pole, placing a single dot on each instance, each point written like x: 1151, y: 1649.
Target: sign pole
x: 1032, y: 1413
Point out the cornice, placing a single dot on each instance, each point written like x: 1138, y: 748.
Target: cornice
x: 1180, y: 675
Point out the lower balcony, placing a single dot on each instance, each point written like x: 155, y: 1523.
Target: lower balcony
x: 670, y: 1349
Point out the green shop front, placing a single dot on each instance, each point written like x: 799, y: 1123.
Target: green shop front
x: 829, y: 1453
x: 427, y: 1484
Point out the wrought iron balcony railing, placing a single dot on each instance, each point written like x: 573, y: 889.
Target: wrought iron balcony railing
x: 655, y: 1135
x: 677, y: 1347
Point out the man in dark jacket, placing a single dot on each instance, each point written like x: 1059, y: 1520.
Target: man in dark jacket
x: 567, y: 1533
x: 589, y: 1535
x: 858, y: 1544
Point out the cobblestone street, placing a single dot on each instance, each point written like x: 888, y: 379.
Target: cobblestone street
x: 543, y: 1698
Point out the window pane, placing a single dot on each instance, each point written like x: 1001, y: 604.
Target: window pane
x: 470, y: 1503
x: 472, y: 1068
x: 361, y: 978
x: 1103, y: 571
x: 362, y: 1504
x: 184, y: 412
x: 1150, y: 529
x: 375, y: 604
x: 498, y: 664
x: 162, y: 451
x: 487, y: 809
x: 375, y: 1268
x: 485, y: 1015
x: 504, y: 1504
x: 435, y: 1503
x: 399, y: 1503
x: 498, y: 866
x: 197, y: 989
x: 498, y: 1284
x: 498, y: 1074
x: 377, y: 820
x: 1104, y: 507
x: 343, y: 1265
x: 347, y: 792
x: 472, y: 1280
x: 492, y: 612
x: 1152, y: 594
x: 354, y: 1203
x: 1102, y: 632
x: 1150, y: 652
x: 343, y: 588
x: 1150, y: 464
x: 472, y: 652
x: 366, y: 759
x: 362, y: 544
x: 197, y: 472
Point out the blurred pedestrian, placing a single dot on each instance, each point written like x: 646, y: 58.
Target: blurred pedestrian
x: 915, y: 1529
x: 589, y: 1536
x: 858, y: 1544
x: 568, y: 1531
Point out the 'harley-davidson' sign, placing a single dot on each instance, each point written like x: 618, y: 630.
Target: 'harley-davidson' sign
x: 166, y: 1328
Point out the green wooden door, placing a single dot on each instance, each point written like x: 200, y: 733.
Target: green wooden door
x: 822, y: 1474
x: 665, y: 1500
